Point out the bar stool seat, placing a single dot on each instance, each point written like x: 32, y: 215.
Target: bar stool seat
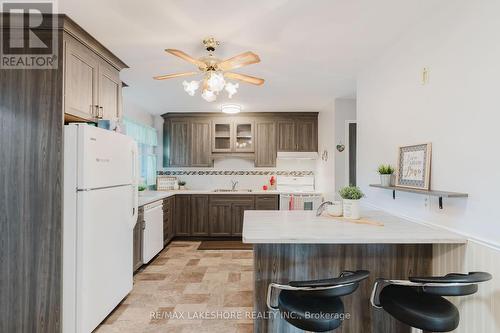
x: 428, y: 312
x: 311, y: 313
x: 315, y: 305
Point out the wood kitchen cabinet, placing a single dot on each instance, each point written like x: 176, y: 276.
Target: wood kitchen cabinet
x: 200, y: 143
x: 299, y: 134
x: 220, y: 215
x: 92, y: 85
x: 238, y: 207
x: 199, y: 215
x: 265, y: 143
x: 267, y: 202
x: 182, y: 215
x: 222, y: 132
x: 179, y: 142
x: 168, y: 220
x: 137, y: 239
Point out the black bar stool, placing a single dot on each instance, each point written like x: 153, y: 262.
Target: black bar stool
x: 419, y: 302
x: 315, y: 305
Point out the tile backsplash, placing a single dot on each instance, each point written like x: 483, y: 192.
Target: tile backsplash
x: 236, y: 173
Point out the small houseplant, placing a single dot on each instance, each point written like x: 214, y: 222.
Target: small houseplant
x: 141, y: 188
x: 182, y: 185
x: 351, y: 196
x: 385, y: 172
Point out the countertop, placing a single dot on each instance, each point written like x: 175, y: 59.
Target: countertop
x: 296, y: 227
x: 152, y: 196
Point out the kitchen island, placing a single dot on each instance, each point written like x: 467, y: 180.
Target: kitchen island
x: 297, y: 245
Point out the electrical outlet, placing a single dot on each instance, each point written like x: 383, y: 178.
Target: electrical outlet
x: 425, y: 76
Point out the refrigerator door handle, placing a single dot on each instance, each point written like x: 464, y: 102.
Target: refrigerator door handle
x: 135, y: 192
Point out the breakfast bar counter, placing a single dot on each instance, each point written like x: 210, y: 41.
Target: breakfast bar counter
x: 297, y: 245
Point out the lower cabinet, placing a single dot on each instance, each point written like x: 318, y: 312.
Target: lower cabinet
x: 238, y: 207
x: 168, y: 220
x: 199, y: 215
x: 267, y: 202
x: 220, y: 216
x: 137, y: 244
x: 182, y: 215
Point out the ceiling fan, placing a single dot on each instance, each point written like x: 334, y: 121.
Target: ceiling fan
x: 215, y: 71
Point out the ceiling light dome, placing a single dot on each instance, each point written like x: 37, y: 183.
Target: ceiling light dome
x: 191, y: 87
x: 231, y: 89
x: 231, y: 108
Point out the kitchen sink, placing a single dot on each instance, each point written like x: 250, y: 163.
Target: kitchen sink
x: 229, y: 190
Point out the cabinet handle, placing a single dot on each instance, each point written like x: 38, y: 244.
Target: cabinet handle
x: 101, y: 115
x: 95, y: 111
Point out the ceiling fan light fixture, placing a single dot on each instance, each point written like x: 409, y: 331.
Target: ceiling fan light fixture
x: 209, y: 95
x: 191, y: 87
x: 231, y: 108
x: 216, y: 82
x: 231, y: 89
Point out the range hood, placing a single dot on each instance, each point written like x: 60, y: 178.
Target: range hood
x: 296, y: 155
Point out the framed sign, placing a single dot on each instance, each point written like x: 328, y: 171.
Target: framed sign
x: 414, y: 166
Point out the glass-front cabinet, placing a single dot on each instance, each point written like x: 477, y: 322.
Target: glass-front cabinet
x: 233, y: 136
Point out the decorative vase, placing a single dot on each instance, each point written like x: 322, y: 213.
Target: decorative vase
x: 182, y: 187
x: 385, y: 180
x: 351, y: 209
x: 335, y: 209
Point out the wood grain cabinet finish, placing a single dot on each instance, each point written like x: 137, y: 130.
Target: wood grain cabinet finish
x: 265, y: 143
x: 168, y: 220
x: 238, y: 207
x: 110, y: 90
x: 286, y: 135
x: 179, y: 143
x: 201, y: 143
x: 267, y: 202
x: 81, y: 80
x: 182, y: 215
x: 137, y: 245
x: 220, y: 216
x: 199, y: 215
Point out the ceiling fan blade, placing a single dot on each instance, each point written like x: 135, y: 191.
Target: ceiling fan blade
x: 245, y: 78
x: 238, y: 61
x: 187, y: 57
x: 171, y: 76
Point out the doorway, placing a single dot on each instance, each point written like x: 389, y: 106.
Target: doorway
x: 351, y: 141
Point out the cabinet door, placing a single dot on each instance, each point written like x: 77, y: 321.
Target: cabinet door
x: 243, y: 136
x: 167, y: 220
x: 220, y: 216
x: 238, y: 207
x: 137, y: 243
x: 267, y: 202
x: 109, y: 92
x: 201, y: 143
x: 182, y: 215
x: 199, y: 215
x: 80, y: 80
x: 265, y: 144
x: 179, y: 143
x: 307, y: 135
x: 286, y: 135
x: 222, y: 134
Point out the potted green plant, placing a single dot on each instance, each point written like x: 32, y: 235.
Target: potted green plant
x: 141, y: 188
x: 350, y: 197
x: 385, y: 172
x: 182, y: 185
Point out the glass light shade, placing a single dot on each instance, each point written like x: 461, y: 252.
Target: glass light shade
x: 208, y: 95
x: 191, y: 87
x: 216, y: 82
x: 232, y: 88
x: 231, y: 108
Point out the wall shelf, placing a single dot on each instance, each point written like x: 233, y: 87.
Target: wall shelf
x: 439, y: 194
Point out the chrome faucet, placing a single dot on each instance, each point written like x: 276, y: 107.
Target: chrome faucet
x: 234, y: 183
x: 322, y: 207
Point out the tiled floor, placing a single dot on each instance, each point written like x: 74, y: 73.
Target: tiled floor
x: 186, y: 290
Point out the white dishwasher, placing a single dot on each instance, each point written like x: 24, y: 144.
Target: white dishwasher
x: 152, y: 232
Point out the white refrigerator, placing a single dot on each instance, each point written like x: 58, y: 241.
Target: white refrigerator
x: 100, y: 212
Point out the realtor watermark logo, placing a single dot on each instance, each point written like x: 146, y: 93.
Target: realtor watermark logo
x: 28, y: 37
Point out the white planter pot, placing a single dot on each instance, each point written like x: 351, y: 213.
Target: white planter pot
x: 385, y: 180
x: 335, y: 209
x: 182, y: 187
x: 351, y: 209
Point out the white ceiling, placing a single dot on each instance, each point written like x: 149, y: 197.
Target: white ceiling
x: 310, y: 50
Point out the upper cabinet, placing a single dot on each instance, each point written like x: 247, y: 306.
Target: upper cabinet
x: 197, y: 139
x: 92, y: 85
x: 298, y: 134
